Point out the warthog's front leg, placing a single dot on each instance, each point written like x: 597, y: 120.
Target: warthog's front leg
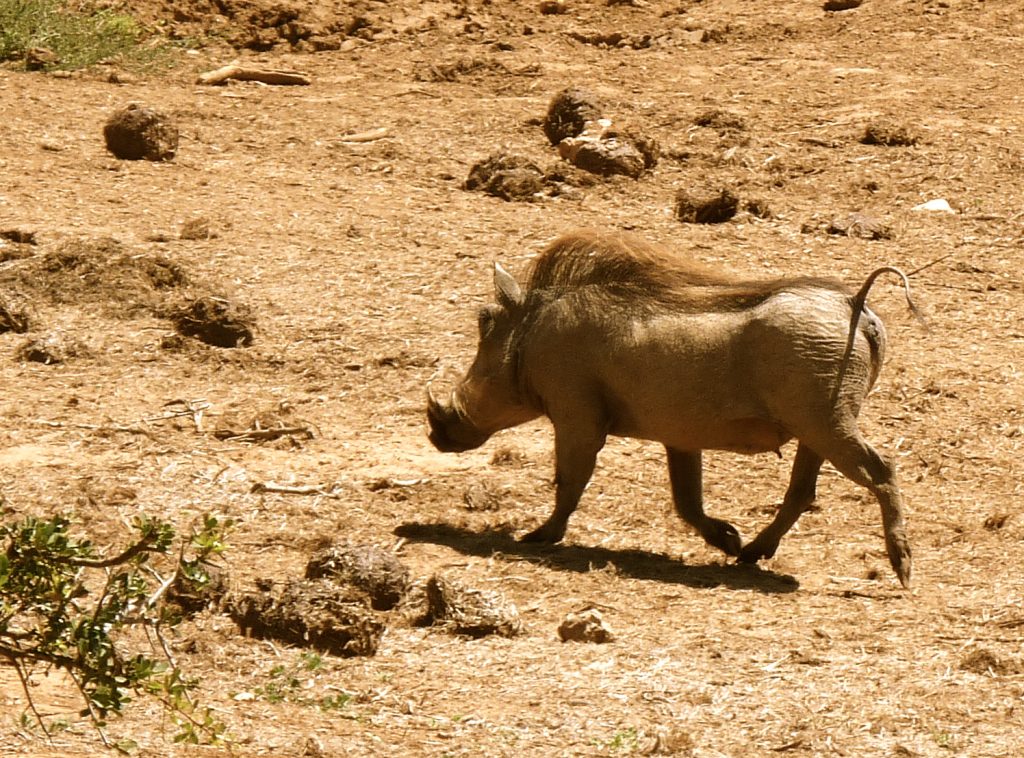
x: 684, y: 470
x: 799, y: 497
x: 575, y: 457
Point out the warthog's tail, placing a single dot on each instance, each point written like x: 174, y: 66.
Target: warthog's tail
x: 860, y: 299
x: 858, y: 304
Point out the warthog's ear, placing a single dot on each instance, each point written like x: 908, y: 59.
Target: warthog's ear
x: 506, y: 289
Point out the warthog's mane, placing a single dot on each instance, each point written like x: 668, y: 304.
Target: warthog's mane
x: 620, y: 268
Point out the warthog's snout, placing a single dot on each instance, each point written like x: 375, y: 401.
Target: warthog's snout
x: 449, y: 430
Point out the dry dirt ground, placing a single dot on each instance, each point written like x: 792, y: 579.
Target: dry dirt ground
x: 364, y: 263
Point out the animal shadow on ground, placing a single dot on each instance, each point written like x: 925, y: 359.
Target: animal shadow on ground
x: 635, y: 564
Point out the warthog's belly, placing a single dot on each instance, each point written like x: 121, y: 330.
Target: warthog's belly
x: 745, y: 435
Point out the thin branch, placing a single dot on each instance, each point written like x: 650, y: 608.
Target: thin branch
x: 28, y: 696
x: 139, y: 547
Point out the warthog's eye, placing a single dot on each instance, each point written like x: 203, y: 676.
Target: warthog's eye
x: 485, y: 320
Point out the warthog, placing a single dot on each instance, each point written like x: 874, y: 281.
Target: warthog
x: 613, y: 335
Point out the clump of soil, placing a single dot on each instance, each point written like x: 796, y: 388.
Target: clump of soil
x: 585, y: 626
x: 51, y: 348
x: 371, y: 570
x: 14, y: 315
x: 469, y: 612
x: 18, y: 236
x: 483, y: 496
x: 136, y: 132
x: 982, y: 661
x: 190, y: 595
x: 720, y: 121
x: 318, y: 614
x: 890, y: 134
x: 568, y: 114
x: 605, y: 150
x: 199, y: 228
x: 841, y: 5
x: 97, y: 270
x: 215, y: 321
x: 706, y: 206
x: 859, y: 225
x: 510, y: 177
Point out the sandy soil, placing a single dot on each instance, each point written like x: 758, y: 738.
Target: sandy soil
x: 364, y: 263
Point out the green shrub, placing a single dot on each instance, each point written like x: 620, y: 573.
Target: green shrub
x: 63, y: 605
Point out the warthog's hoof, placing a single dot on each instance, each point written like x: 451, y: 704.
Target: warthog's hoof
x: 756, y: 551
x: 898, y: 549
x: 723, y: 535
x: 544, y: 534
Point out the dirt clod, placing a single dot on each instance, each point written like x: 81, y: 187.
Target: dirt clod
x: 585, y: 626
x: 14, y: 314
x: 136, y: 132
x: 483, y: 496
x: 841, y: 5
x: 320, y: 614
x: 369, y: 569
x: 51, y: 348
x: 983, y: 661
x: 860, y: 225
x: 721, y: 121
x: 606, y: 151
x: 510, y: 177
x: 215, y: 321
x: 890, y: 134
x: 568, y: 114
x: 706, y: 206
x: 470, y: 612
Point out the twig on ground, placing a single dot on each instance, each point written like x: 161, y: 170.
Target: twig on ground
x: 263, y: 435
x: 234, y: 70
x: 288, y: 489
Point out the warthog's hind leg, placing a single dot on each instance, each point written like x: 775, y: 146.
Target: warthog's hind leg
x: 684, y: 470
x: 858, y: 461
x: 799, y: 497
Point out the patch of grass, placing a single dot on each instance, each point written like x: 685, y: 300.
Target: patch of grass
x: 78, y: 37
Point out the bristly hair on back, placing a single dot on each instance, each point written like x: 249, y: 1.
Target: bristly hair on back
x: 623, y: 267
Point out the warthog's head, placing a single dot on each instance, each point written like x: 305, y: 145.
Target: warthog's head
x: 488, y: 399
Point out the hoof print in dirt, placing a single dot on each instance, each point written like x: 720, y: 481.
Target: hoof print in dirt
x: 215, y: 321
x: 510, y: 177
x: 319, y: 614
x: 585, y: 626
x: 469, y: 612
x: 706, y: 206
x: 859, y: 225
x: 379, y: 574
x: 568, y: 114
x: 890, y: 134
x: 135, y: 133
x: 606, y: 150
x: 51, y: 348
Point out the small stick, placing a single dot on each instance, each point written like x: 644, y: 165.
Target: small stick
x: 368, y: 136
x: 241, y: 73
x: 257, y: 435
x: 286, y: 489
